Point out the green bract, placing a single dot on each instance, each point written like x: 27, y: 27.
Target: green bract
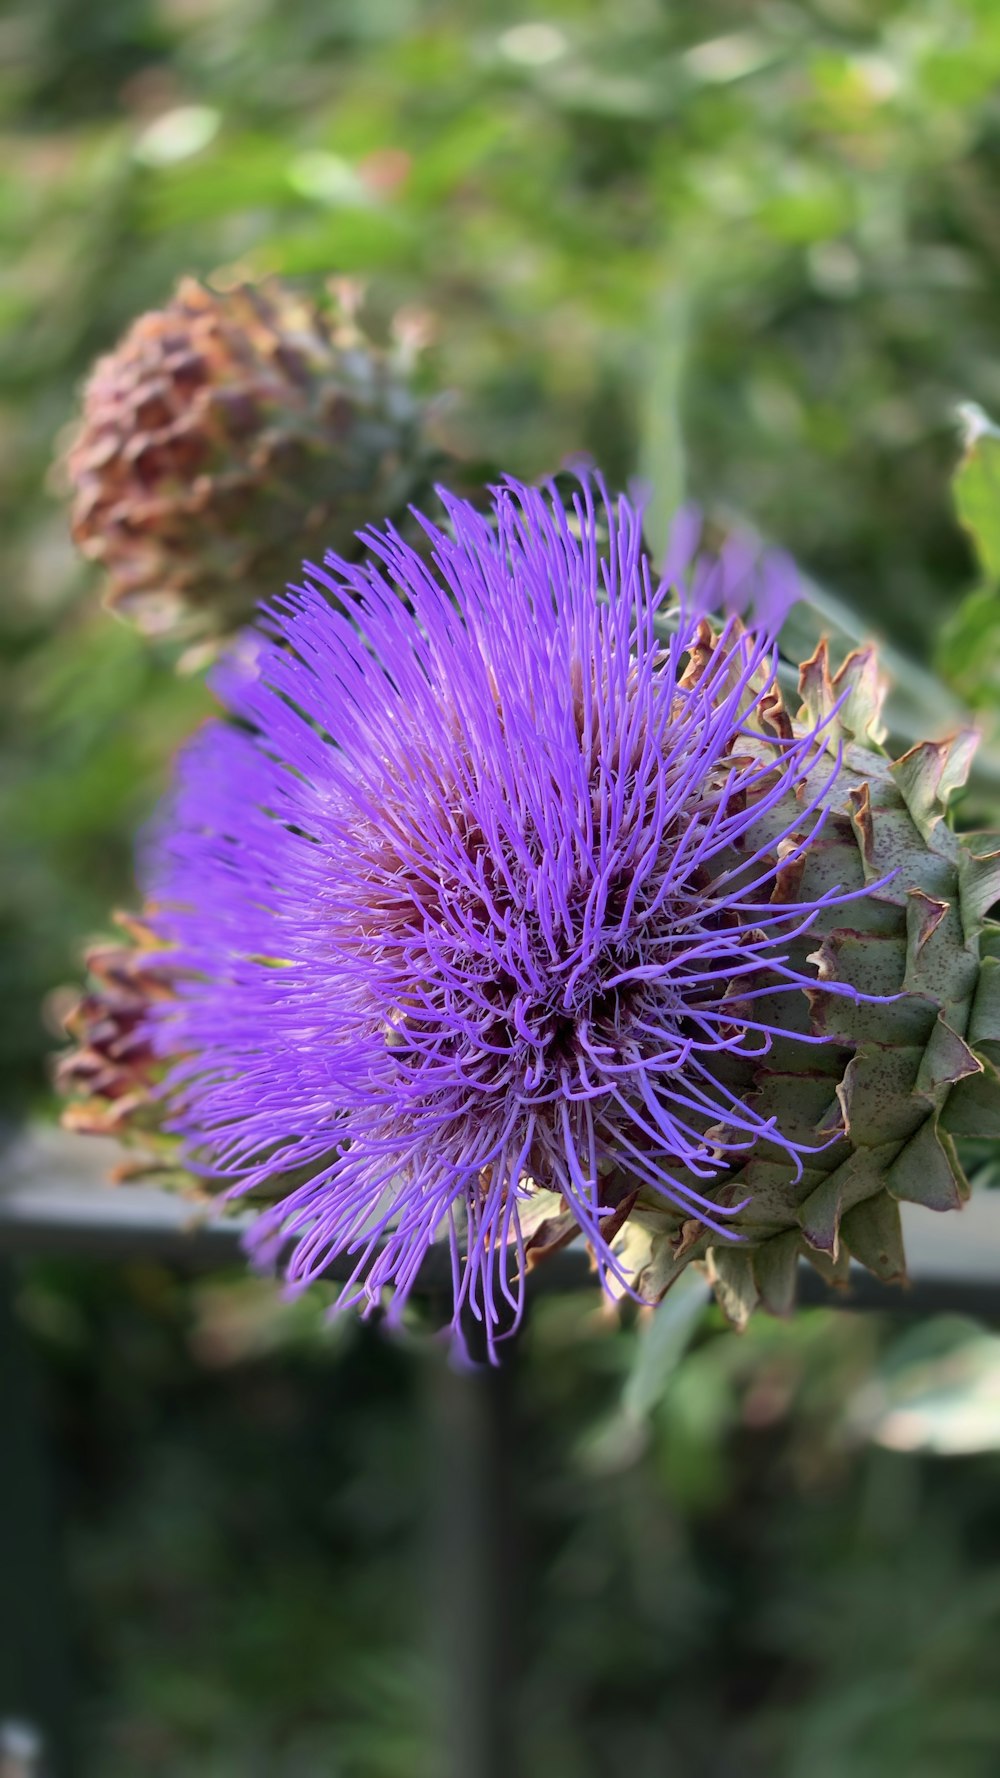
x: 900, y: 1079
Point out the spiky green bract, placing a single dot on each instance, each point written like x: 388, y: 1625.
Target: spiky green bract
x: 900, y: 1079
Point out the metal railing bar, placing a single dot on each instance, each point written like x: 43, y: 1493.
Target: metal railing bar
x: 954, y: 1259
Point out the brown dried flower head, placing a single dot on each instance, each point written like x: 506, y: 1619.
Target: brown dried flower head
x: 227, y: 436
x: 110, y: 1074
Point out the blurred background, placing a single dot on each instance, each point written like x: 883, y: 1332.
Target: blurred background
x: 749, y: 253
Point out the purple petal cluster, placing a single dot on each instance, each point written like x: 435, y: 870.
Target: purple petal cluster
x: 480, y: 889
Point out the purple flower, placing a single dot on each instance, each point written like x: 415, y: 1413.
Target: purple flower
x: 482, y: 890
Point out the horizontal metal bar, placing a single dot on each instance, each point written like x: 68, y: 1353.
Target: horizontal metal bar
x: 54, y: 1200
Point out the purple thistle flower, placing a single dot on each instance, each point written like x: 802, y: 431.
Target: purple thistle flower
x: 483, y: 889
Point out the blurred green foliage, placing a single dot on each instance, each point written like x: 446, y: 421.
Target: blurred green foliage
x: 970, y: 646
x: 756, y: 1588
x: 746, y: 252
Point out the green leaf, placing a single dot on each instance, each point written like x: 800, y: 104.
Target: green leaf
x: 619, y: 1439
x: 663, y: 1343
x: 969, y: 650
x: 976, y: 487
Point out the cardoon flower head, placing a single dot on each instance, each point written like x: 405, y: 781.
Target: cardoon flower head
x: 515, y: 905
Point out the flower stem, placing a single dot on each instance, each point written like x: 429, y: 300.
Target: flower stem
x: 473, y: 1579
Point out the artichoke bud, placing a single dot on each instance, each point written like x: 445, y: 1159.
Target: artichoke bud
x: 110, y: 1074
x: 228, y: 436
x: 908, y: 1066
